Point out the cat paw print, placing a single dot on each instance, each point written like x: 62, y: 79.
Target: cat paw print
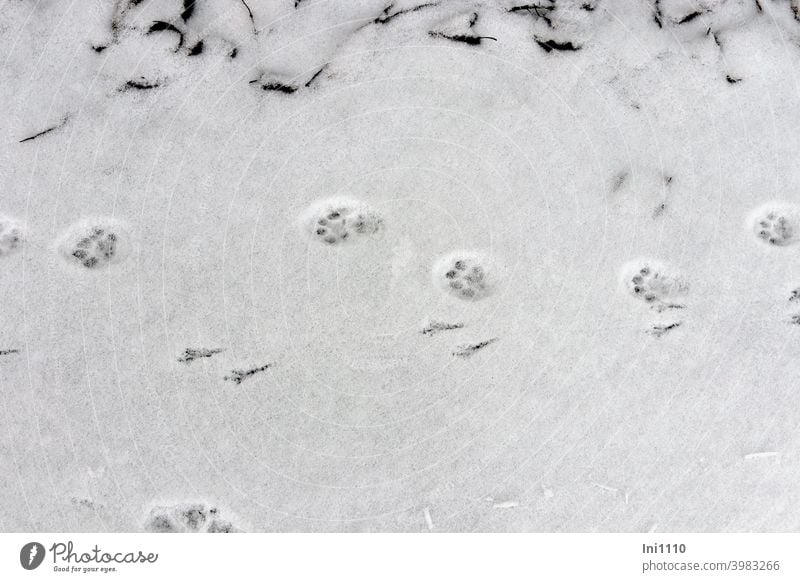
x: 465, y: 275
x: 654, y: 283
x: 95, y: 243
x: 338, y: 220
x: 776, y: 223
x: 188, y: 518
x: 12, y: 236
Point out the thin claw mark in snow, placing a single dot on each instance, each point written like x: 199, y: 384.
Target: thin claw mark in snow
x: 428, y: 519
x: 466, y: 351
x: 435, y: 327
x: 239, y: 376
x: 386, y: 16
x: 192, y: 354
x: 659, y: 330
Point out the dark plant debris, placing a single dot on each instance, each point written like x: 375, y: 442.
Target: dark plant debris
x: 658, y: 17
x: 551, y: 45
x: 316, y: 75
x: 275, y: 86
x: 732, y: 80
x: 536, y: 10
x: 8, y: 352
x: 59, y: 125
x: 196, y: 49
x: 465, y: 38
x: 161, y: 26
x: 253, y: 18
x: 690, y: 17
x: 188, y: 9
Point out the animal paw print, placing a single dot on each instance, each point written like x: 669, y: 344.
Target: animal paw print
x: 187, y: 518
x: 654, y: 283
x: 336, y: 221
x: 12, y: 236
x: 94, y: 244
x: 465, y: 275
x: 777, y: 224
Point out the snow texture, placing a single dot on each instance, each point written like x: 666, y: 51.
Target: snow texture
x: 171, y: 334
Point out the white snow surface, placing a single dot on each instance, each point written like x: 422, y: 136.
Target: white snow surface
x: 563, y: 141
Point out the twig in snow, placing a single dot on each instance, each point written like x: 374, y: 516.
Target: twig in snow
x: 59, y: 125
x: 161, y: 26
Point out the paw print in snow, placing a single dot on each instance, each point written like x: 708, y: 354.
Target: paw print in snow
x: 466, y: 275
x: 187, y: 518
x: 654, y: 283
x: 95, y: 243
x: 338, y: 220
x: 776, y: 223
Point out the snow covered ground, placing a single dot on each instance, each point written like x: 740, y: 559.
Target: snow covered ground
x: 317, y: 265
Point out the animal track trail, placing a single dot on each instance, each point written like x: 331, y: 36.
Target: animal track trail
x: 469, y: 350
x: 659, y: 286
